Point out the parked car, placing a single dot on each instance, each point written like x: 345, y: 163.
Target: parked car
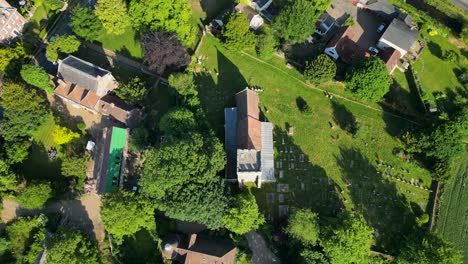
x: 373, y: 50
x: 381, y: 28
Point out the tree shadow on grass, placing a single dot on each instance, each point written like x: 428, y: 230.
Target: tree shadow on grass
x: 215, y: 96
x: 377, y: 199
x: 302, y: 105
x: 140, y: 248
x: 435, y: 49
x: 344, y: 118
x: 38, y: 167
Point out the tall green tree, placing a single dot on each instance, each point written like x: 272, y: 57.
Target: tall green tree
x: 139, y: 213
x: 7, y: 178
x: 85, y: 23
x: 35, y: 195
x: 75, y: 167
x: 178, y: 122
x: 320, y: 70
x: 236, y: 34
x: 431, y: 249
x: 21, y: 234
x: 164, y: 15
x: 184, y: 84
x: 11, y: 59
x: 133, y: 91
x: 267, y: 44
x: 113, y: 15
x: 349, y: 240
x: 70, y: 246
x: 24, y: 110
x: 62, y: 45
x: 18, y: 150
x: 314, y: 257
x: 369, y: 79
x: 243, y: 216
x: 36, y: 76
x: 303, y: 226
x: 295, y: 23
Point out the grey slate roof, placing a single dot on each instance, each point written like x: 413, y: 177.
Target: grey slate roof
x: 400, y: 34
x: 383, y: 9
x: 81, y: 72
x: 230, y: 141
x: 261, y: 3
x: 267, y: 154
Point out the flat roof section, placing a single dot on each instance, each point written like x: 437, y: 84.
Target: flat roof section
x: 114, y: 162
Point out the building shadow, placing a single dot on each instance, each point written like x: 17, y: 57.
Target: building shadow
x: 74, y: 214
x: 344, y: 118
x: 217, y: 91
x: 377, y: 199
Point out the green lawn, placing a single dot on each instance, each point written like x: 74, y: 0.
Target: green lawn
x: 451, y: 222
x: 437, y: 74
x: 339, y: 170
x: 127, y: 44
x: 43, y: 134
x: 41, y: 18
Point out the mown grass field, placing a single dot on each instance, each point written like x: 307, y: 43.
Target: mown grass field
x: 452, y: 221
x: 127, y: 44
x: 43, y: 133
x: 340, y: 170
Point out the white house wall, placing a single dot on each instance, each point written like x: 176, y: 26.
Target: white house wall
x: 384, y: 44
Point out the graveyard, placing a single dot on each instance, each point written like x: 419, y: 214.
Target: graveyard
x: 330, y: 154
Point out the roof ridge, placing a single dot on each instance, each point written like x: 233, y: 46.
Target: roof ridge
x: 85, y: 62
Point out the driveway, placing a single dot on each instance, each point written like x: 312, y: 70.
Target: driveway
x: 261, y: 253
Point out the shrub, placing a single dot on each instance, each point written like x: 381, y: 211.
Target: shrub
x: 266, y: 45
x: 34, y: 196
x: 36, y: 76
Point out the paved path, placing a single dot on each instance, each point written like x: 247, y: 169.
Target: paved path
x: 334, y: 95
x: 261, y: 253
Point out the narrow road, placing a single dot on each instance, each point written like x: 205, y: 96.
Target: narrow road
x: 261, y: 253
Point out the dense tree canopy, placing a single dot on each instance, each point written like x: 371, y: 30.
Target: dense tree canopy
x: 236, y: 34
x: 139, y: 213
x: 23, y: 111
x: 164, y: 15
x: 243, y: 215
x: 11, y: 59
x: 70, y: 246
x: 431, y: 249
x: 134, y: 91
x: 179, y: 122
x: 184, y: 84
x: 349, y: 240
x: 25, y: 236
x: 267, y: 44
x: 201, y: 202
x: 36, y: 76
x: 181, y: 176
x: 303, y: 226
x: 7, y: 178
x: 295, y: 22
x: 85, y: 23
x: 113, y: 16
x: 163, y: 52
x: 320, y: 70
x: 17, y: 150
x: 369, y: 79
x: 314, y: 257
x: 62, y: 45
x: 75, y: 167
x: 35, y: 195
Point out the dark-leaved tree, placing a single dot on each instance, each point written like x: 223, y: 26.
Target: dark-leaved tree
x: 85, y: 23
x: 164, y: 53
x: 134, y: 91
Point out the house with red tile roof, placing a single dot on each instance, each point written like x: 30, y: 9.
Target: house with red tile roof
x: 85, y: 85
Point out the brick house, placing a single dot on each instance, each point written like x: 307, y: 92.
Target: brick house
x: 11, y: 22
